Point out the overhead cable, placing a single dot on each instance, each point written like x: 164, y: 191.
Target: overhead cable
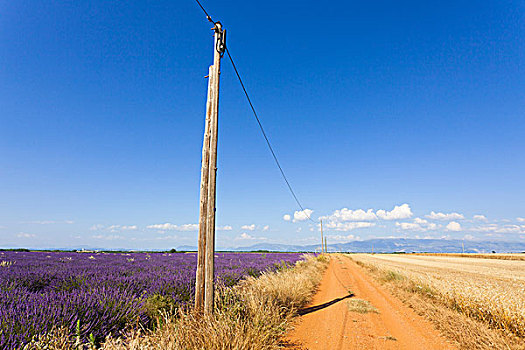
x: 208, y: 17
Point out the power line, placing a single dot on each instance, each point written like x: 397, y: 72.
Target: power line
x: 259, y: 123
x: 205, y: 12
x: 266, y: 137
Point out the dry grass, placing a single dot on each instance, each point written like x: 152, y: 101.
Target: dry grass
x: 252, y: 315
x: 57, y: 339
x: 515, y: 256
x: 360, y: 306
x: 484, y: 321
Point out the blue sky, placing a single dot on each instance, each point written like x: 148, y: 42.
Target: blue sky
x: 369, y: 105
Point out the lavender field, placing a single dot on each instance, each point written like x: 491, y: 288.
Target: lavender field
x: 98, y: 294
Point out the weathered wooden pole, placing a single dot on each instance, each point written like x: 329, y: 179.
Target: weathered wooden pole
x: 199, y: 281
x: 204, y: 288
x: 209, y: 264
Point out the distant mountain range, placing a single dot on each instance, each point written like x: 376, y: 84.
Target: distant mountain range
x: 392, y: 245
x: 387, y: 245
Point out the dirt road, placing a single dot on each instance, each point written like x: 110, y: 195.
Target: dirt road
x: 351, y: 311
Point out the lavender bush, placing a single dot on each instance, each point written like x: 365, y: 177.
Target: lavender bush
x: 103, y: 293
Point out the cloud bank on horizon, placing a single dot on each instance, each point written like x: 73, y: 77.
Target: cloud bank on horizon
x: 340, y: 225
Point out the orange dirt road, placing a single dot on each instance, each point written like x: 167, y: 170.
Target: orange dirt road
x: 329, y: 323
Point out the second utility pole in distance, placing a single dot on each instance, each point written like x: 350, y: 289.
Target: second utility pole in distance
x: 204, y: 288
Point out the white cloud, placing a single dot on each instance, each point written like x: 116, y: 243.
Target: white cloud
x: 348, y: 226
x: 442, y: 216
x: 453, y: 226
x: 399, y: 212
x: 389, y: 237
x: 486, y: 228
x: 496, y: 235
x: 113, y: 228
x: 341, y: 238
x: 420, y: 221
x: 185, y: 227
x: 50, y: 222
x: 495, y: 228
x: 511, y: 229
x: 25, y: 235
x: 266, y: 228
x: 469, y: 237
x: 424, y: 237
x: 108, y: 237
x: 286, y: 217
x: 248, y: 227
x: 419, y: 224
x: 188, y: 227
x: 167, y: 226
x: 480, y: 217
x: 521, y: 219
x: 246, y: 237
x: 302, y: 215
x: 432, y: 226
x: 409, y: 226
x: 346, y: 214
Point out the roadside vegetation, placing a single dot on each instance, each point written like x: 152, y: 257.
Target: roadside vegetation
x: 253, y: 314
x: 470, y: 307
x: 499, y: 256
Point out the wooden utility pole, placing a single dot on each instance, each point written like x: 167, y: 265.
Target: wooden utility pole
x: 204, y: 288
x: 322, y: 242
x: 199, y: 281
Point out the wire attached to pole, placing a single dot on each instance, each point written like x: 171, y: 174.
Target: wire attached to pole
x: 266, y: 137
x: 208, y: 17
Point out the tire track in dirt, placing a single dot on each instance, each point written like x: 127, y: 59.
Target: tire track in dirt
x: 377, y: 320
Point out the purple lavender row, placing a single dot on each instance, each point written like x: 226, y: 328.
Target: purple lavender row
x: 103, y: 293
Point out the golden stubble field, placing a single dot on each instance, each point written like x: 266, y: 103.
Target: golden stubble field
x: 491, y: 290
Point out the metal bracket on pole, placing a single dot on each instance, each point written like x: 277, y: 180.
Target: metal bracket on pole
x: 221, y: 36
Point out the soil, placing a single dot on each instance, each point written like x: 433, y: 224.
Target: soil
x: 332, y: 320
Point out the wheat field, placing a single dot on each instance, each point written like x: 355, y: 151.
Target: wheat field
x: 490, y: 290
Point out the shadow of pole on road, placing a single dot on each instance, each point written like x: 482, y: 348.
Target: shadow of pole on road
x: 311, y: 309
